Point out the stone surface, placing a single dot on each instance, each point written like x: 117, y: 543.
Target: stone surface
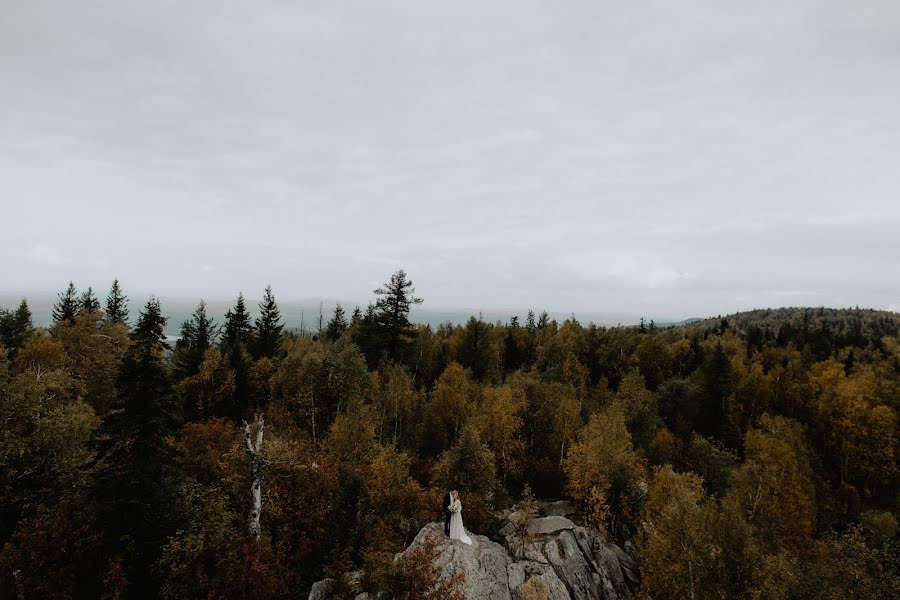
x: 521, y: 572
x: 627, y: 562
x: 568, y: 562
x: 571, y: 567
x: 321, y: 590
x: 484, y: 563
x: 549, y: 525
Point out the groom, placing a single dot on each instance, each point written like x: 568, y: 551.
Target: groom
x: 448, y: 500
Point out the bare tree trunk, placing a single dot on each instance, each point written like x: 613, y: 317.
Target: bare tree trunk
x: 20, y: 587
x: 256, y: 465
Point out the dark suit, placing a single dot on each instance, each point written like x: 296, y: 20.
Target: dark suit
x: 448, y: 500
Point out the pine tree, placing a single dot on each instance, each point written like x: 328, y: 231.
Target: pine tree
x: 89, y: 302
x: 268, y: 326
x: 131, y: 504
x: 513, y: 353
x: 238, y: 329
x: 116, y: 305
x: 15, y: 326
x: 235, y: 343
x: 337, y: 325
x: 67, y: 305
x: 530, y: 325
x: 395, y: 298
x: 475, y: 348
x: 716, y: 375
x: 367, y: 336
x: 197, y: 336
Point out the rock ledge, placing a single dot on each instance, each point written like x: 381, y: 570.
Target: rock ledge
x: 566, y: 561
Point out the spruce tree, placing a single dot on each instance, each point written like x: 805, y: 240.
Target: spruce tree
x: 89, y: 302
x: 197, y: 336
x: 67, y: 305
x: 513, y: 353
x: 367, y: 336
x: 116, y: 305
x: 530, y: 325
x: 474, y: 351
x: 268, y: 326
x: 15, y: 326
x: 132, y: 503
x: 238, y: 328
x: 716, y: 375
x: 235, y: 343
x: 337, y: 325
x: 395, y: 298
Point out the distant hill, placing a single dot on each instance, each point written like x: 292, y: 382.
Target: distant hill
x: 797, y: 315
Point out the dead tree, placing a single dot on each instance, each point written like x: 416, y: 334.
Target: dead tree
x: 20, y: 587
x: 257, y: 462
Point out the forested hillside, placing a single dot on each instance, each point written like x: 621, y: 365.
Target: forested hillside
x: 752, y: 456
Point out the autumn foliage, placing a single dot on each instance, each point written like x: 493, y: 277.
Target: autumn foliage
x: 753, y: 456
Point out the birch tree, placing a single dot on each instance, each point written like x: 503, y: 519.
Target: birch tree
x: 257, y: 463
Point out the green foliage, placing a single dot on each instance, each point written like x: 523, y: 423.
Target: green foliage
x: 268, y: 327
x: 89, y: 302
x: 474, y: 352
x: 337, y: 325
x: 15, y: 326
x: 712, y: 461
x: 67, y: 305
x: 197, y: 336
x: 116, y: 305
x: 391, y: 313
x: 468, y: 466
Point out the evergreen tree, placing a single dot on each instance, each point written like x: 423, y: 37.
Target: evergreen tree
x: 543, y: 320
x: 367, y: 336
x: 236, y: 340
x: 513, y: 352
x: 475, y: 348
x: 716, y: 376
x: 116, y: 305
x: 67, y: 305
x: 197, y: 336
x: 395, y: 298
x: 89, y: 302
x: 337, y: 325
x: 238, y: 329
x: 15, y: 326
x: 132, y: 505
x: 530, y: 325
x: 268, y: 326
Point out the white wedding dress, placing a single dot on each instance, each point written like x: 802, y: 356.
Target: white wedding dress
x: 457, y: 531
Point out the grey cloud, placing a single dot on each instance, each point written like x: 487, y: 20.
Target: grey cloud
x: 671, y: 158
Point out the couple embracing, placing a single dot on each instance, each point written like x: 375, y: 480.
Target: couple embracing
x: 453, y: 522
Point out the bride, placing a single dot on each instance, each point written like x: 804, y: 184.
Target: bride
x: 457, y: 531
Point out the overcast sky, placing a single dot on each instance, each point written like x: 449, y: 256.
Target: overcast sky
x: 653, y: 157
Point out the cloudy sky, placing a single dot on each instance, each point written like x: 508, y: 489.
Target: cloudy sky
x: 654, y: 157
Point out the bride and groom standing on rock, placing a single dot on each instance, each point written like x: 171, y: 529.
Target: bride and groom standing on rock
x: 453, y: 522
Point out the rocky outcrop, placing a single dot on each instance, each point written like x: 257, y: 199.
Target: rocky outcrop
x: 559, y: 560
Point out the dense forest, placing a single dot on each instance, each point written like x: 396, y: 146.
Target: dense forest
x: 750, y: 456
